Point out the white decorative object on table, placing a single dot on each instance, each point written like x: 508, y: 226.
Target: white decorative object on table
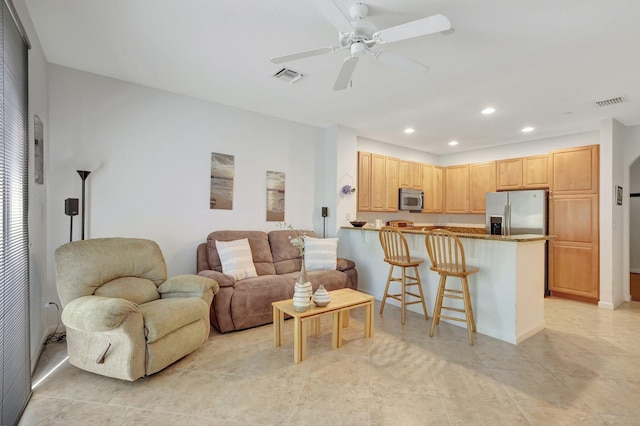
x: 321, y: 297
x: 301, y: 296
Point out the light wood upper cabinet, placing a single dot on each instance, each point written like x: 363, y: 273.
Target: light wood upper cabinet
x: 364, y: 181
x: 391, y: 187
x: 535, y: 172
x: 457, y: 189
x: 410, y: 174
x: 575, y: 170
x: 482, y: 179
x: 509, y: 174
x: 523, y: 173
x: 432, y: 187
x: 378, y: 182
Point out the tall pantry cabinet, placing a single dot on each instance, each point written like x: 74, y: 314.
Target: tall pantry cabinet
x: 573, y: 218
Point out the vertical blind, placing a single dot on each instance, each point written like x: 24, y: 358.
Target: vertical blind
x: 15, y: 370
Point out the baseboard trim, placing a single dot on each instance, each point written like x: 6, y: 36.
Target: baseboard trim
x: 606, y: 305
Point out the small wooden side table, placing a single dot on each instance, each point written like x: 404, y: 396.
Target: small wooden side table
x: 342, y: 301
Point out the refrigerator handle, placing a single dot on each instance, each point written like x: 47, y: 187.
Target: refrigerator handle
x: 505, y: 230
x: 509, y: 220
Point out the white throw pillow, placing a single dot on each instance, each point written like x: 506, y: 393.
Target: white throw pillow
x: 236, y: 258
x: 320, y: 253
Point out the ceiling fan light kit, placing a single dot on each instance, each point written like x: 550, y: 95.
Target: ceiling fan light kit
x: 360, y: 36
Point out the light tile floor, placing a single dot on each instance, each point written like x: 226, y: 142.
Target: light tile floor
x: 584, y: 369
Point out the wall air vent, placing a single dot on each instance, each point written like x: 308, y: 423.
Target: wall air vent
x: 288, y: 75
x: 612, y: 101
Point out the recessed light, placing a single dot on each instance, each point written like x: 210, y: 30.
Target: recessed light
x: 488, y: 110
x: 453, y: 143
x: 527, y: 129
x: 409, y: 130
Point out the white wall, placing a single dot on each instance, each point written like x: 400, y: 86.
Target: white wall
x: 38, y: 105
x: 149, y: 152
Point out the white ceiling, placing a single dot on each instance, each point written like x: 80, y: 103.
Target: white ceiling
x: 541, y: 63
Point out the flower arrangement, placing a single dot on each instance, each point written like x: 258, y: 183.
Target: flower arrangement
x: 297, y: 239
x: 348, y: 189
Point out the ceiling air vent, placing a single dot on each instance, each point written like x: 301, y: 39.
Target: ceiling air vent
x: 288, y: 75
x: 612, y: 101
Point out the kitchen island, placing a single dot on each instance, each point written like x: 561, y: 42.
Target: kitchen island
x: 507, y: 294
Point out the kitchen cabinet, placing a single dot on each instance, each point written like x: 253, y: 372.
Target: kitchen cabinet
x: 575, y: 170
x: 432, y: 185
x: 391, y: 186
x: 574, y: 253
x: 410, y: 174
x: 523, y: 173
x: 482, y: 179
x: 457, y: 189
x: 377, y: 183
x: 535, y: 172
x: 509, y: 174
x: 364, y: 181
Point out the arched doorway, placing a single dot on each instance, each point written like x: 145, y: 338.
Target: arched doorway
x: 634, y: 229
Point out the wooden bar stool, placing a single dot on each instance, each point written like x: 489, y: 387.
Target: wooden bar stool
x: 447, y: 259
x: 396, y: 253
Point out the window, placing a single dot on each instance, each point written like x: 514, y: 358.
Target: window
x: 15, y: 370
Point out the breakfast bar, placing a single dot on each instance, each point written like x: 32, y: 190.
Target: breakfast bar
x: 507, y: 294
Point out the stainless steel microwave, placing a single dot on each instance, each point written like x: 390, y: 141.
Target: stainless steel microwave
x: 410, y: 199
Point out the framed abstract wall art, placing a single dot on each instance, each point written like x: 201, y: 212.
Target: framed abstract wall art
x: 275, y: 196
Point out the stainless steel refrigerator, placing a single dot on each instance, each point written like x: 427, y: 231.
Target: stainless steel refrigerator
x: 517, y: 212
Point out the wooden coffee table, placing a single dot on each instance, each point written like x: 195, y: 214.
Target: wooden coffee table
x: 342, y: 301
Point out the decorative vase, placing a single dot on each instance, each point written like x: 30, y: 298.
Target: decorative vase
x: 302, y: 277
x: 321, y: 297
x: 301, y: 297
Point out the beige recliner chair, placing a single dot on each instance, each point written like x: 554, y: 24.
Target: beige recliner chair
x: 124, y: 318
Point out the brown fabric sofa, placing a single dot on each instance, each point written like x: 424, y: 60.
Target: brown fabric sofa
x: 247, y: 303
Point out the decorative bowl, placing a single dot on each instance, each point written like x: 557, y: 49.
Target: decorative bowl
x: 357, y: 223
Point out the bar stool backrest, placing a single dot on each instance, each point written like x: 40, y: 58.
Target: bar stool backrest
x: 394, y: 244
x: 445, y: 252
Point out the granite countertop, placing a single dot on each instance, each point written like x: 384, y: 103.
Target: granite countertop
x: 462, y: 232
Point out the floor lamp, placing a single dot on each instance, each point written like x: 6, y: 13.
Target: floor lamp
x: 83, y: 175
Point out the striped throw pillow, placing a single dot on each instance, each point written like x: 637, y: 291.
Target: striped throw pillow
x: 236, y: 258
x: 320, y: 253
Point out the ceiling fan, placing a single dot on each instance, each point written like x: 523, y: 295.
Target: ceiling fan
x: 361, y: 36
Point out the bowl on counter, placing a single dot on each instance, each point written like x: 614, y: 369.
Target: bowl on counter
x: 358, y: 223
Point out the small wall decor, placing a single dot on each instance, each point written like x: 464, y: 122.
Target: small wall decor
x: 347, y: 190
x: 348, y: 185
x: 619, y: 195
x: 275, y: 196
x: 222, y: 172
x: 38, y: 151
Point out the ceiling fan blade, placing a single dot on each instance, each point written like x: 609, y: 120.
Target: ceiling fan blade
x: 399, y: 61
x: 344, y: 77
x: 334, y: 15
x: 432, y: 24
x: 304, y: 54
